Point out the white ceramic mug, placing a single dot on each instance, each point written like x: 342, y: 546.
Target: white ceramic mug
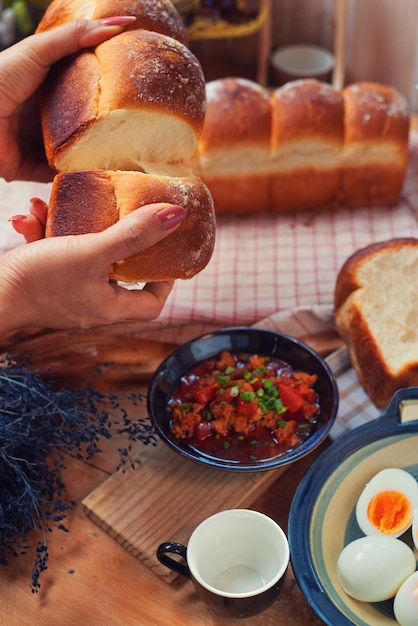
x: 237, y: 560
x: 298, y: 61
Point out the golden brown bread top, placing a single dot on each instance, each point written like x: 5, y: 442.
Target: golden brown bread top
x: 238, y: 110
x: 304, y: 109
x: 147, y: 69
x: 375, y: 112
x: 65, y: 109
x: 106, y: 99
x: 158, y: 15
x: 83, y: 202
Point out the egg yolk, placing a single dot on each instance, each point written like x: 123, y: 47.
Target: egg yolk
x: 389, y: 511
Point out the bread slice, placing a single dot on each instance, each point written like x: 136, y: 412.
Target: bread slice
x: 376, y: 313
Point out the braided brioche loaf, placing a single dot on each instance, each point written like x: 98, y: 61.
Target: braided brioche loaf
x: 121, y: 124
x: 302, y: 146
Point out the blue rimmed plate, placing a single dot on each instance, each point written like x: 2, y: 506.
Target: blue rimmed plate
x: 322, y: 516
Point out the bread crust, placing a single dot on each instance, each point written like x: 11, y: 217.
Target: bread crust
x: 324, y: 148
x: 160, y: 16
x: 83, y: 202
x: 160, y: 77
x: 234, y: 141
x: 366, y: 318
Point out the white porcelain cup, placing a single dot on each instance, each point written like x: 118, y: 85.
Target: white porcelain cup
x: 301, y: 61
x: 237, y: 560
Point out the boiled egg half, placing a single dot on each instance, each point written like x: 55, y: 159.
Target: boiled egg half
x: 387, y: 502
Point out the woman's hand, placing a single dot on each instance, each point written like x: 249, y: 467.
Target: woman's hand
x: 23, y: 67
x: 63, y: 282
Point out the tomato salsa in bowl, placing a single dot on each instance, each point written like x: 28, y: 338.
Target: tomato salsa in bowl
x: 243, y: 399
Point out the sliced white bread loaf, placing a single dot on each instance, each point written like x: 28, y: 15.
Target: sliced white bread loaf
x: 376, y: 313
x: 302, y: 146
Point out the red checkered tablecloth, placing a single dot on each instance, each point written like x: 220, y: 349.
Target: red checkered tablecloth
x: 262, y: 264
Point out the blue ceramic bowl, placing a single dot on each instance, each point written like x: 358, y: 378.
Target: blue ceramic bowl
x: 322, y: 516
x: 248, y: 340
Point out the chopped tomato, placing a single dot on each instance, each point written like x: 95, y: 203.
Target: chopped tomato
x: 202, y: 430
x: 247, y: 408
x: 204, y: 395
x: 291, y: 399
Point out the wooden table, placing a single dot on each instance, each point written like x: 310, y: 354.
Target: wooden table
x: 91, y: 580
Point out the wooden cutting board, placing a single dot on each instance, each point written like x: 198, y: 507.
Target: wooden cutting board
x: 165, y: 498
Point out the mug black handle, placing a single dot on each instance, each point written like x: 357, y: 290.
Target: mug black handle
x: 173, y: 548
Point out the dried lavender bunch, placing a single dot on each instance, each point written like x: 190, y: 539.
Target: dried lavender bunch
x: 40, y: 427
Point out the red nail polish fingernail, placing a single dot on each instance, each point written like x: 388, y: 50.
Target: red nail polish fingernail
x: 18, y: 218
x: 171, y: 216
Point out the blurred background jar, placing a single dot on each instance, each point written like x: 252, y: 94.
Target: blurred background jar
x: 381, y: 41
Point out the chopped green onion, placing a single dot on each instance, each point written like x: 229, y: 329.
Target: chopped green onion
x: 278, y: 406
x: 208, y: 416
x: 224, y: 380
x: 234, y: 391
x: 229, y: 369
x: 247, y: 396
x: 226, y: 445
x: 185, y: 408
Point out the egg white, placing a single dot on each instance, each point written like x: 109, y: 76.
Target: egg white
x: 389, y: 479
x: 372, y: 569
x: 405, y: 605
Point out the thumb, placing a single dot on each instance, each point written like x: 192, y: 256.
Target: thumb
x: 25, y: 65
x: 138, y: 231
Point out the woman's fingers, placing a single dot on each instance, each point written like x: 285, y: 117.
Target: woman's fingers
x: 140, y: 304
x: 31, y: 226
x: 140, y: 230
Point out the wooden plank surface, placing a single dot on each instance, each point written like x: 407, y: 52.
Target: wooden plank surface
x: 164, y: 498
x: 93, y: 580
